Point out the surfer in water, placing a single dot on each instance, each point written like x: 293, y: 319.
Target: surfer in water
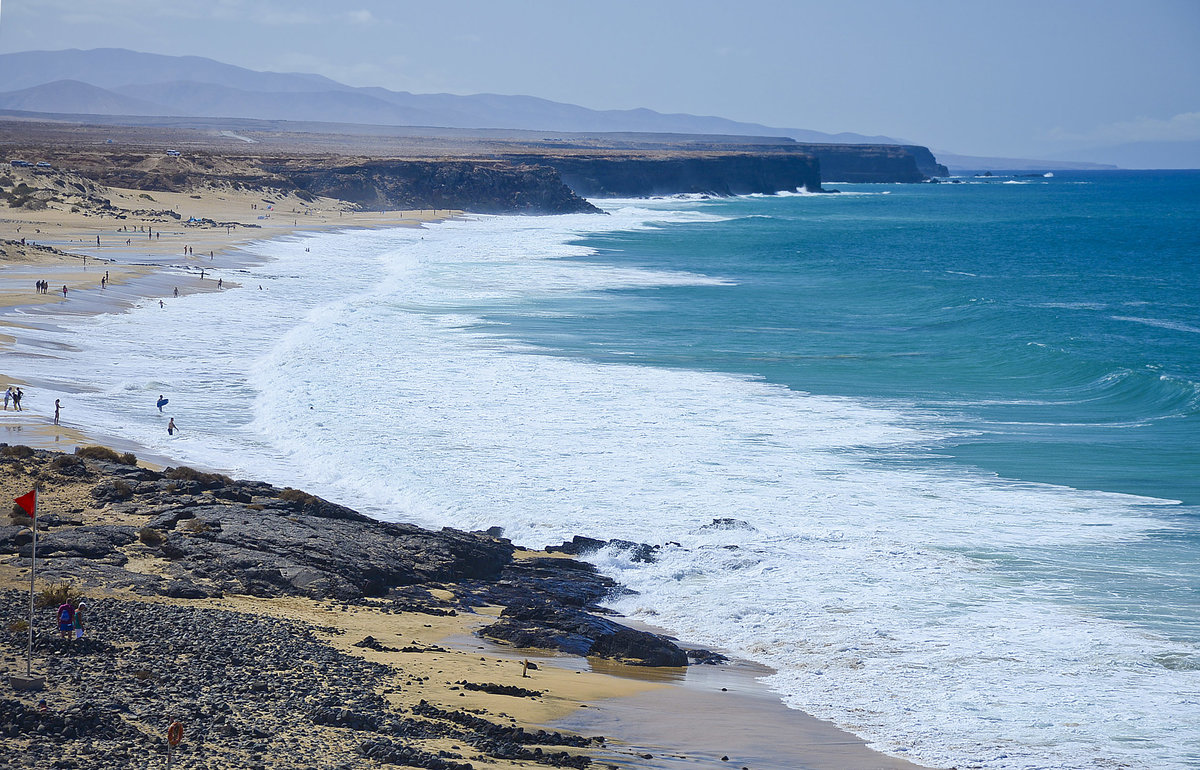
x: 161, y: 402
x: 171, y: 429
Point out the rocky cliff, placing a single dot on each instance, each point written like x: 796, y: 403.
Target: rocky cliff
x: 874, y: 162
x: 531, y: 180
x: 615, y: 175
x: 488, y: 187
x: 926, y: 162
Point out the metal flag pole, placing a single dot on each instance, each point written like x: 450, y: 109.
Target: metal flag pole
x: 32, y: 572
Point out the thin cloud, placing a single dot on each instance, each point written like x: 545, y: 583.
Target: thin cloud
x: 361, y: 16
x: 1181, y: 128
x: 265, y: 12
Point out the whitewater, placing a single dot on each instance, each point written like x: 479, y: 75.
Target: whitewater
x: 820, y: 534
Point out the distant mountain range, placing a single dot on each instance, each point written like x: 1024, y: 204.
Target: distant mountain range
x: 113, y: 81
x: 119, y: 82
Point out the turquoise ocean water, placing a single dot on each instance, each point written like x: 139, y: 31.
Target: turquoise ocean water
x: 947, y: 432
x: 1052, y: 323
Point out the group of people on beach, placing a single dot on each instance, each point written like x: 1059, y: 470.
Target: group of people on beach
x: 43, y: 287
x: 70, y: 619
x: 14, y: 395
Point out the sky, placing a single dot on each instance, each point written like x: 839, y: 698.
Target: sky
x: 1016, y: 78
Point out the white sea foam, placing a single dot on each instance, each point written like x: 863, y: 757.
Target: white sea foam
x: 894, y: 598
x: 1160, y: 323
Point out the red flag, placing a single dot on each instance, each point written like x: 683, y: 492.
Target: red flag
x: 28, y: 503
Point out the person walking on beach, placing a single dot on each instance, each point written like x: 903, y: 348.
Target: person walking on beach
x: 64, y: 291
x: 17, y: 394
x: 219, y: 282
x: 8, y: 394
x: 171, y: 427
x: 57, y: 407
x: 177, y: 292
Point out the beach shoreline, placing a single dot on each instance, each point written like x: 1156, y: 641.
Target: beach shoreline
x: 201, y: 250
x: 745, y: 707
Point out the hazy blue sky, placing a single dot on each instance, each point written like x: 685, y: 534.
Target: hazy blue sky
x: 1010, y: 77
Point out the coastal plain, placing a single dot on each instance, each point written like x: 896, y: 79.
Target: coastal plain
x: 264, y: 669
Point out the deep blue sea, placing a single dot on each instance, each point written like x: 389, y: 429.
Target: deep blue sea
x: 930, y: 451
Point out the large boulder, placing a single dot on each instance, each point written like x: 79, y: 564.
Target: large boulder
x: 546, y: 625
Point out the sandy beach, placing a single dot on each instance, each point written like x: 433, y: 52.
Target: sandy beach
x: 702, y: 716
x: 142, y: 253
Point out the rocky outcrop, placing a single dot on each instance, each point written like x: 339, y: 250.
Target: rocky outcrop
x: 213, y: 536
x: 615, y: 175
x: 926, y: 162
x: 487, y: 187
x: 873, y: 162
x: 546, y: 625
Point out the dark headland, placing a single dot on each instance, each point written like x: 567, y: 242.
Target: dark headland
x: 389, y: 168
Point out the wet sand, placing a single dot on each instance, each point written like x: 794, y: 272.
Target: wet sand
x: 716, y: 712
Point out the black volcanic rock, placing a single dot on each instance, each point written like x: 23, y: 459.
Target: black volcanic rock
x: 241, y: 685
x: 564, y: 581
x: 581, y: 545
x: 559, y: 627
x: 83, y: 542
x: 219, y: 535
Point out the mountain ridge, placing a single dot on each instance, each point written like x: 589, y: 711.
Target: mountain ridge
x: 123, y: 72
